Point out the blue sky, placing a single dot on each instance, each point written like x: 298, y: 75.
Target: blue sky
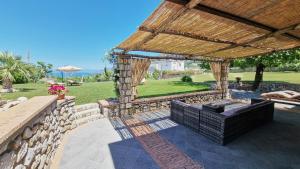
x: 75, y: 32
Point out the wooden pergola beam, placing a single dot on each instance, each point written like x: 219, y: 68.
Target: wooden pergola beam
x: 178, y: 57
x: 236, y: 18
x: 192, y: 4
x: 207, y: 58
x: 276, y: 33
x: 196, y: 37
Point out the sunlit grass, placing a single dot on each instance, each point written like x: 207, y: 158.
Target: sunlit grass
x: 91, y: 92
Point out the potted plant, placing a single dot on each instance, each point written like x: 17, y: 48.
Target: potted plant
x: 238, y: 80
x: 58, y: 90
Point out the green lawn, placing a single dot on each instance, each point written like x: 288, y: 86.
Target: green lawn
x: 290, y: 77
x: 91, y: 92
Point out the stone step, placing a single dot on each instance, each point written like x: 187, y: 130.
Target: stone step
x: 87, y: 119
x: 83, y: 107
x: 86, y: 113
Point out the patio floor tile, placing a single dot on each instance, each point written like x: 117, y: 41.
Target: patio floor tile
x: 151, y: 141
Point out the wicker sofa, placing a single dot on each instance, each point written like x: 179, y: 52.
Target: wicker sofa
x: 223, y: 127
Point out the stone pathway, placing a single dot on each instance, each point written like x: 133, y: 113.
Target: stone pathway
x: 165, y: 154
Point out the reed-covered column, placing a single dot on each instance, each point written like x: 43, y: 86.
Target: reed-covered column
x: 139, y: 68
x: 216, y: 71
x: 224, y: 79
x: 125, y: 85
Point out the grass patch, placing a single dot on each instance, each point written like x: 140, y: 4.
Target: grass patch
x: 91, y: 92
x: 94, y: 91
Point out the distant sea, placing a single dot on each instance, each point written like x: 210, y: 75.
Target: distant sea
x: 82, y: 73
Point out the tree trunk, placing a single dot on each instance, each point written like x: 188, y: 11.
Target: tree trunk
x: 258, y: 76
x: 7, y: 85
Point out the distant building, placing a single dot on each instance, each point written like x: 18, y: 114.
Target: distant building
x: 161, y: 65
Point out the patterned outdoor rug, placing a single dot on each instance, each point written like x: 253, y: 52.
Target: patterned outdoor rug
x: 165, y: 154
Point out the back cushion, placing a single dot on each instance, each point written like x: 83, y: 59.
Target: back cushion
x: 235, y: 111
x: 178, y: 104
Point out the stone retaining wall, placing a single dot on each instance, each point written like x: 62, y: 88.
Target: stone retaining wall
x: 110, y: 107
x: 34, y: 130
x: 31, y: 131
x: 157, y: 103
x: 267, y: 86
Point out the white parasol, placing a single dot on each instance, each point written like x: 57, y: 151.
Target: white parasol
x: 68, y: 69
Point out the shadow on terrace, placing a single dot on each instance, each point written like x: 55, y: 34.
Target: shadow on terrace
x: 109, y: 144
x: 275, y: 145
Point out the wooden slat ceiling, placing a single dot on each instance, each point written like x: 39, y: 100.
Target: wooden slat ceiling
x: 219, y: 29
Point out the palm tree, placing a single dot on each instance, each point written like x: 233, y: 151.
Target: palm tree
x: 10, y: 64
x: 44, y: 69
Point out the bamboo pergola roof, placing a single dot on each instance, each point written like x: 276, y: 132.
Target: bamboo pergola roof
x: 218, y: 29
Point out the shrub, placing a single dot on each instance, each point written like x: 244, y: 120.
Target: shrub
x: 156, y: 74
x: 19, y: 78
x: 107, y: 74
x: 186, y: 79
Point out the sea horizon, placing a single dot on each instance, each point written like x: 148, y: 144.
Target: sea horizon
x: 82, y: 73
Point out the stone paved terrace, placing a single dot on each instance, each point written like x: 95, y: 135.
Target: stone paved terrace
x: 113, y: 144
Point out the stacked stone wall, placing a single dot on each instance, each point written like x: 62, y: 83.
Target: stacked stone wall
x: 33, y: 145
x: 125, y: 86
x: 110, y: 107
x: 267, y: 86
x: 158, y: 103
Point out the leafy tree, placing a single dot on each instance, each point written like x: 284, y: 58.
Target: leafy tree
x: 34, y: 72
x: 115, y: 75
x: 107, y: 74
x: 204, y: 65
x: 277, y: 59
x: 112, y: 59
x: 9, y: 65
x: 285, y: 60
x: 44, y: 69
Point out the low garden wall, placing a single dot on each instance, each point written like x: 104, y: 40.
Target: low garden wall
x: 32, y: 130
x: 267, y: 86
x: 163, y: 102
x: 110, y: 107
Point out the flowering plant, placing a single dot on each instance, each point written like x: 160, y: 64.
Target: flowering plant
x: 57, y: 90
